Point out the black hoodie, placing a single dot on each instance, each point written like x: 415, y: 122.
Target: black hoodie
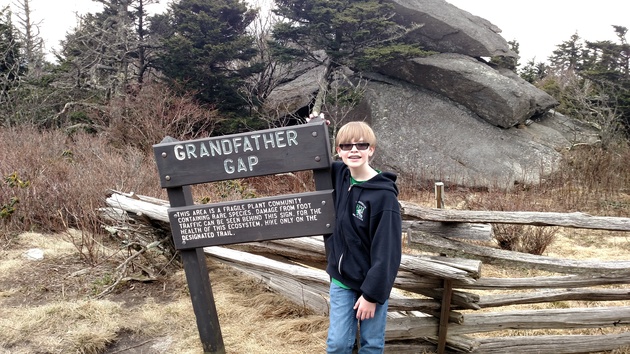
x: 365, y: 248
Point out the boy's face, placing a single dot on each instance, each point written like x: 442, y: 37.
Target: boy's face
x: 355, y: 154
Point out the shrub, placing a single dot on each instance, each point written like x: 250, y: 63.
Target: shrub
x: 8, y: 207
x: 68, y: 179
x: 524, y: 238
x: 143, y: 117
x: 514, y: 237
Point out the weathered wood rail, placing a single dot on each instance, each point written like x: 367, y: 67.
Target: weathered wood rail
x: 296, y: 271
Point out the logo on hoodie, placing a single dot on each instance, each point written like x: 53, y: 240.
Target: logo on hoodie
x: 359, y: 210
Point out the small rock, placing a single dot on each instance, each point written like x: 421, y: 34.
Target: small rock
x: 35, y: 254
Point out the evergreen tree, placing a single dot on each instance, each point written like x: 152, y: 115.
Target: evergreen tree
x: 533, y: 71
x: 569, y: 55
x: 608, y: 60
x: 592, y: 83
x: 205, y: 48
x: 11, y: 63
x: 110, y: 49
x: 30, y: 101
x: 359, y: 34
x: 608, y: 68
x: 29, y: 33
x: 145, y: 52
x: 12, y: 66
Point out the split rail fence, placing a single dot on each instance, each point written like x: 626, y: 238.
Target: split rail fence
x: 440, y: 302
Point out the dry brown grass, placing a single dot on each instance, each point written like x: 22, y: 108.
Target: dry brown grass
x: 568, y: 244
x: 49, y: 304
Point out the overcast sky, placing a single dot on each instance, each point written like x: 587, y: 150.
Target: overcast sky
x: 538, y: 25
x: 59, y: 16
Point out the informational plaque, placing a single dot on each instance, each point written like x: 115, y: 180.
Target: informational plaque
x: 286, y: 216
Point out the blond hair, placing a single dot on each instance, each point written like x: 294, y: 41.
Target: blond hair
x: 355, y: 131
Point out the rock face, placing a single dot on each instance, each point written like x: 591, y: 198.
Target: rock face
x: 424, y: 136
x: 501, y: 100
x: 295, y: 94
x: 452, y: 117
x: 448, y: 29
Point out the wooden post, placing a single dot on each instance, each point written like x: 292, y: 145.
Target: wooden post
x: 448, y: 284
x: 439, y: 195
x: 199, y: 286
x: 444, y: 315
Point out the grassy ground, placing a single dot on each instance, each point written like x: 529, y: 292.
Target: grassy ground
x: 49, y: 306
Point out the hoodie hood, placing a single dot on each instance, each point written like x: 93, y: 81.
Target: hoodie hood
x: 383, y: 181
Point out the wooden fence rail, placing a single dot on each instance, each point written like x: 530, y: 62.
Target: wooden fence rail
x: 574, y: 220
x: 414, y: 319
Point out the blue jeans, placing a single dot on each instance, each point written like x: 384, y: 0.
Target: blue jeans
x: 343, y: 324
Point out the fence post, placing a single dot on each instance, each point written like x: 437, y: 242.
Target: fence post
x: 445, y: 309
x: 198, y: 279
x: 439, y: 195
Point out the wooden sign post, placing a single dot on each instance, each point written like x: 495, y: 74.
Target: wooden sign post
x: 185, y: 163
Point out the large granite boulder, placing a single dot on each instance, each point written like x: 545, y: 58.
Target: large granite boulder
x: 445, y: 28
x: 291, y: 96
x: 502, y: 100
x: 425, y: 136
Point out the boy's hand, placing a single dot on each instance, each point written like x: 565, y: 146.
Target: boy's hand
x: 365, y: 309
x: 314, y: 117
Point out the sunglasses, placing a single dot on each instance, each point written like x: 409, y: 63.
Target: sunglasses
x: 360, y: 146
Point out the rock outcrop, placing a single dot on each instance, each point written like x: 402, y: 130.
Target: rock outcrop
x: 295, y: 94
x: 425, y: 136
x: 504, y: 101
x: 445, y: 28
x: 452, y: 116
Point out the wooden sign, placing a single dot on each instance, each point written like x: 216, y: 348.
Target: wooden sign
x: 184, y: 163
x: 264, y: 152
x: 249, y: 220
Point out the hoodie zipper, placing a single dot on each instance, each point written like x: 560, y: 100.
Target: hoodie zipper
x: 339, y: 265
x: 341, y: 257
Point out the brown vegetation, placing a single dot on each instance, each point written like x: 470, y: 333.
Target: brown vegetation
x: 51, y: 306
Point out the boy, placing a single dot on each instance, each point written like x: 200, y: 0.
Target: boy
x: 364, y: 250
